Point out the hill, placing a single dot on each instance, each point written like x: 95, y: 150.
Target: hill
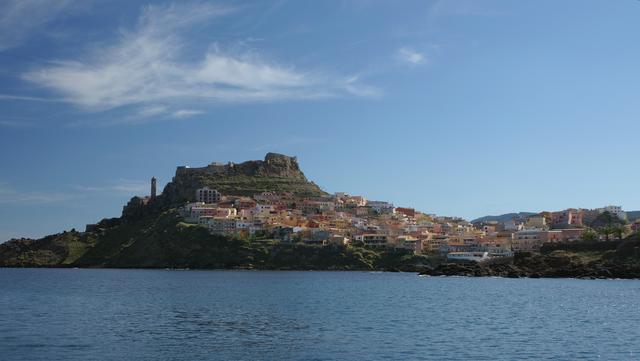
x: 503, y: 217
x: 633, y: 216
x: 151, y: 233
x: 276, y: 172
x: 164, y: 241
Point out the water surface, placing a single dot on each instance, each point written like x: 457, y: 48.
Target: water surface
x: 78, y: 314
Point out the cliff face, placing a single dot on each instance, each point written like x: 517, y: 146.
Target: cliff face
x: 276, y: 172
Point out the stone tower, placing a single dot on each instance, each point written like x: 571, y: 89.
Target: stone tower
x: 153, y: 187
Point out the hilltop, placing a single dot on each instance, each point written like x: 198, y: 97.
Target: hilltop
x: 277, y: 172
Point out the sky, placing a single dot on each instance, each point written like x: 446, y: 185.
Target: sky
x: 454, y: 107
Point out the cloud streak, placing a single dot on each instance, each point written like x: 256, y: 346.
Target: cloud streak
x: 20, y: 19
x: 186, y: 113
x: 120, y: 187
x: 11, y: 196
x: 410, y: 56
x: 14, y: 124
x: 147, y: 65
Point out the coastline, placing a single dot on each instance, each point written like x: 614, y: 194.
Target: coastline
x: 444, y: 270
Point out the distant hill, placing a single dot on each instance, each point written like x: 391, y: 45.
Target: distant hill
x: 503, y: 217
x: 633, y: 216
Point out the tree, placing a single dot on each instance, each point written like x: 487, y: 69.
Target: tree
x: 606, y: 231
x: 589, y: 236
x: 608, y: 224
x: 619, y: 230
x: 603, y: 219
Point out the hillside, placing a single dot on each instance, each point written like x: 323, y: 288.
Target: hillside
x: 633, y: 216
x: 166, y: 242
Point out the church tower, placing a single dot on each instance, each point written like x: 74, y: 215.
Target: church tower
x: 153, y: 188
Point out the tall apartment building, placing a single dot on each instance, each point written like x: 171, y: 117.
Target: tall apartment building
x: 207, y: 195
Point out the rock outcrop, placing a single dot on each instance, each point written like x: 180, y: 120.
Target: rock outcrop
x: 276, y: 172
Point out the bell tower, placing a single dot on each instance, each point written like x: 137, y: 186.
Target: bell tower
x: 153, y: 187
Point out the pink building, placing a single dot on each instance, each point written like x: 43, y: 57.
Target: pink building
x: 561, y: 235
x: 568, y: 217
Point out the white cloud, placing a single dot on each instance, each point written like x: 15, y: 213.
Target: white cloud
x: 410, y: 56
x: 186, y: 113
x: 146, y: 66
x: 26, y: 98
x: 20, y: 19
x: 152, y: 110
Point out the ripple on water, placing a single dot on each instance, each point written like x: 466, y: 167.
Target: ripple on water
x: 148, y: 315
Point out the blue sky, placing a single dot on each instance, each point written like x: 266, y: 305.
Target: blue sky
x: 455, y: 107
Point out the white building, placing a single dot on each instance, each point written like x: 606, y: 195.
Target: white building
x: 381, y: 207
x: 614, y: 211
x: 207, y: 195
x: 527, y: 241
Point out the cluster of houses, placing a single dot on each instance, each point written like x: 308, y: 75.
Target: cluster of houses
x: 342, y: 219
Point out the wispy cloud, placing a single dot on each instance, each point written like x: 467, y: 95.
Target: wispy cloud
x: 122, y: 186
x: 15, y: 124
x: 408, y: 55
x: 150, y: 111
x: 147, y: 65
x: 13, y: 195
x: 27, y: 98
x: 186, y: 113
x: 20, y: 19
x: 10, y: 195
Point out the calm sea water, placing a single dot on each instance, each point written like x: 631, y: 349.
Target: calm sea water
x: 242, y: 315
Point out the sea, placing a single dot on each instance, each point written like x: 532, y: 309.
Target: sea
x: 104, y: 314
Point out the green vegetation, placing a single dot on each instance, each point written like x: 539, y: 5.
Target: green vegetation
x: 165, y: 241
x: 56, y: 250
x: 589, y: 236
x: 609, y: 225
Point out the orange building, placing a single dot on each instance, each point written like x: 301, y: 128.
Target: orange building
x: 409, y: 212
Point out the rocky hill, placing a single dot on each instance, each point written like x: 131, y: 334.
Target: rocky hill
x: 276, y: 172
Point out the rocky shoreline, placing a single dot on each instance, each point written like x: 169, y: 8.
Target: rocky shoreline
x: 557, y: 264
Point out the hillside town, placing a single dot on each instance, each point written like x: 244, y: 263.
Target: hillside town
x: 343, y: 219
